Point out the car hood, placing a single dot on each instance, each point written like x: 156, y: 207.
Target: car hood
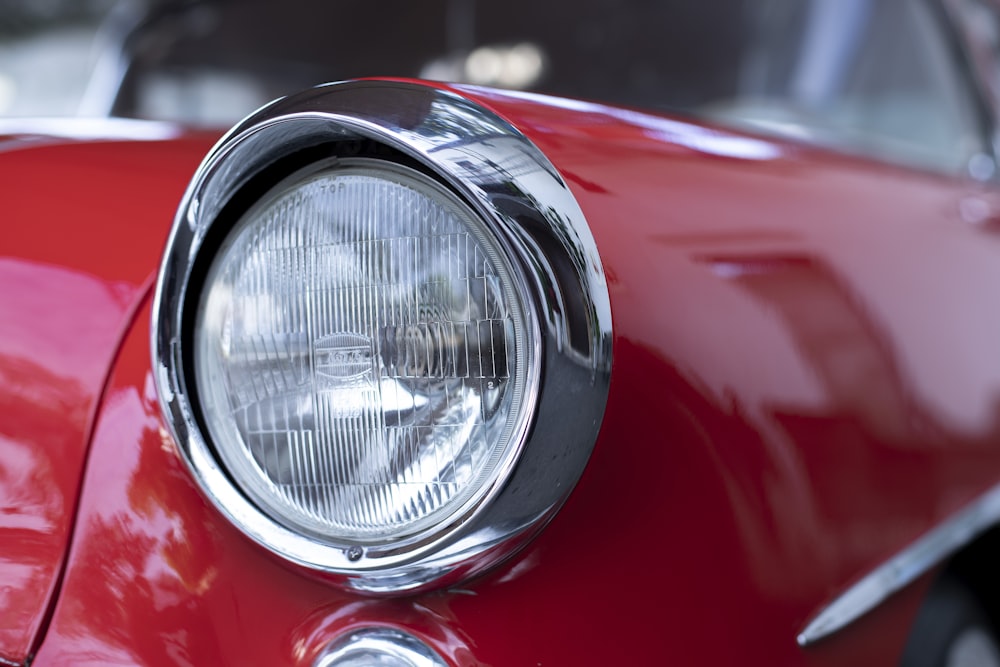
x: 87, y: 206
x: 86, y: 221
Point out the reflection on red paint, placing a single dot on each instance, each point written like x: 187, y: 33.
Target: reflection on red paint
x: 57, y: 328
x: 83, y: 225
x: 158, y: 577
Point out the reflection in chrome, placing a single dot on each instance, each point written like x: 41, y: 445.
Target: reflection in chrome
x: 905, y: 567
x: 379, y: 646
x: 514, y: 189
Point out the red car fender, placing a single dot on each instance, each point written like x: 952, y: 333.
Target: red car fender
x: 784, y: 416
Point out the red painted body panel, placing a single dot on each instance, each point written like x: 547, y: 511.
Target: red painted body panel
x: 83, y: 226
x: 805, y: 379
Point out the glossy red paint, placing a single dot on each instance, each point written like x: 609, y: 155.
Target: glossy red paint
x: 805, y: 379
x: 83, y: 226
x: 157, y: 577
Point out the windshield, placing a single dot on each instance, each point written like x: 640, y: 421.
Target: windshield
x: 876, y: 76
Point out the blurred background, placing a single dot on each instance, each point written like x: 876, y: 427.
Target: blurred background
x: 47, y: 53
x: 879, y: 77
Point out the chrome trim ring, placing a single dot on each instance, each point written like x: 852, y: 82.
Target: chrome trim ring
x: 510, y: 184
x: 379, y: 646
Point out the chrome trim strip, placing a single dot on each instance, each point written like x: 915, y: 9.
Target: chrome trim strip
x: 521, y: 196
x: 905, y: 567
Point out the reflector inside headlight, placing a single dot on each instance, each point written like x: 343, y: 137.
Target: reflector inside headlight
x: 364, y: 356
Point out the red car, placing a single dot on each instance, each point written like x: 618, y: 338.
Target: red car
x: 434, y: 374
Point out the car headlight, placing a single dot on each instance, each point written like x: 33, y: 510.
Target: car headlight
x: 357, y: 310
x: 364, y: 355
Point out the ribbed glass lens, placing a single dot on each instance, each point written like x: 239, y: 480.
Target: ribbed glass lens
x: 362, y: 355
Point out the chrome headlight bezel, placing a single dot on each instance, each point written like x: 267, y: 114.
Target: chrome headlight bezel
x: 518, y: 194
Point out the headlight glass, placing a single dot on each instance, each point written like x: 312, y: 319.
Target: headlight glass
x: 363, y: 355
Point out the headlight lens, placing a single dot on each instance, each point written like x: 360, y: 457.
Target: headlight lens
x: 363, y: 355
